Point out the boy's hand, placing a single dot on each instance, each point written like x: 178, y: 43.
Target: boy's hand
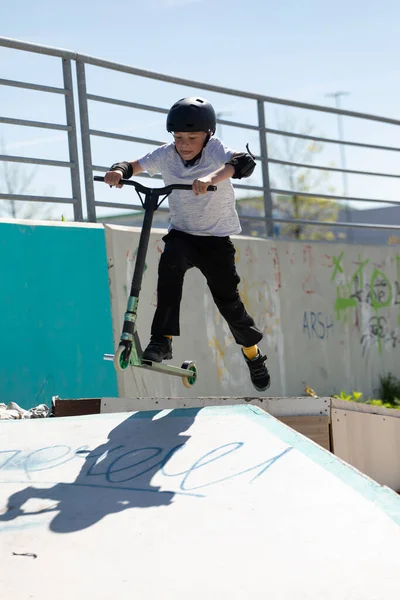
x: 200, y: 185
x: 113, y: 178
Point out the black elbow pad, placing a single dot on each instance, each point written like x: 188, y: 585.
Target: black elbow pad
x: 125, y: 167
x: 243, y: 163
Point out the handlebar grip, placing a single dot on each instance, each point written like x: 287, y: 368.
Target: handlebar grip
x: 123, y: 181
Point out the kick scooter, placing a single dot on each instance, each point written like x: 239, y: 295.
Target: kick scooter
x: 129, y: 351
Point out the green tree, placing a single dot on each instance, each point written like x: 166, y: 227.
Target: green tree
x: 302, y: 179
x: 298, y: 207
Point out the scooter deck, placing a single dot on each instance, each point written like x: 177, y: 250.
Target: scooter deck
x: 154, y: 366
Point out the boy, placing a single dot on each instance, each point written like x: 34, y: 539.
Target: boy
x: 201, y: 224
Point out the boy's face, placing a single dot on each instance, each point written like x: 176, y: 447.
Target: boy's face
x: 189, y: 144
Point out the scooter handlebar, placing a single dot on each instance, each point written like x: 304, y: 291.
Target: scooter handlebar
x: 160, y: 191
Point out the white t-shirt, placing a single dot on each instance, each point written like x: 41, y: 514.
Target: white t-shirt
x: 213, y: 213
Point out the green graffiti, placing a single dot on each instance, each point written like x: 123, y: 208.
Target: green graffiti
x: 378, y: 292
x: 342, y: 304
x: 345, y: 297
x: 338, y: 266
x: 378, y: 299
x: 359, y: 273
x: 381, y: 296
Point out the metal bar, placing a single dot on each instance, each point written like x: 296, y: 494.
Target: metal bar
x: 335, y: 169
x: 330, y: 197
x: 37, y: 48
x: 33, y: 86
x: 24, y: 197
x: 129, y: 138
x: 156, y: 109
x: 85, y: 139
x: 257, y: 188
x: 241, y: 186
x: 322, y: 223
x: 313, y: 138
x: 342, y: 154
x: 236, y: 124
x: 26, y: 123
x: 268, y: 206
x: 339, y: 224
x: 143, y: 174
x: 102, y: 169
x: 138, y: 210
x: 98, y: 62
x: 72, y: 138
x: 137, y: 207
x: 263, y: 131
x: 35, y: 161
x: 126, y: 103
x: 121, y: 205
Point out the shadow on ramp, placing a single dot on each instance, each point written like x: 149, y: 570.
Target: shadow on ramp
x: 114, y: 477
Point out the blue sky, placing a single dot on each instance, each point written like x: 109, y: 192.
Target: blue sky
x: 294, y: 50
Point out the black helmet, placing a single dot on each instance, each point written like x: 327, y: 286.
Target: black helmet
x: 192, y: 114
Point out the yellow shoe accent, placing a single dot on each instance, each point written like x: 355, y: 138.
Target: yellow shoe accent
x: 251, y: 352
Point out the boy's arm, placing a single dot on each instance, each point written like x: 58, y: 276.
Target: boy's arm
x: 241, y: 164
x: 200, y: 185
x: 121, y: 170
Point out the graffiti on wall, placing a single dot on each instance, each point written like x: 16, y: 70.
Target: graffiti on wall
x: 367, y: 297
x: 317, y: 325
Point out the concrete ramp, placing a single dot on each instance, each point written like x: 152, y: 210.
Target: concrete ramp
x: 215, y: 503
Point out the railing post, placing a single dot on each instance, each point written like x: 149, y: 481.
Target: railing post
x: 269, y: 225
x: 85, y: 136
x: 72, y: 139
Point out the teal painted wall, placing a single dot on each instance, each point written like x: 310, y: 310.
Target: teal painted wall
x: 55, y: 314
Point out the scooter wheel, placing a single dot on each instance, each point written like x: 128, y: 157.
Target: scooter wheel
x: 121, y: 359
x: 191, y: 380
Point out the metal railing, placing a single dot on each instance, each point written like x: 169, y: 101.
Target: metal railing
x: 79, y: 145
x: 69, y: 127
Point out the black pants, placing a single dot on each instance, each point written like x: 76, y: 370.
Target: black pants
x: 215, y: 257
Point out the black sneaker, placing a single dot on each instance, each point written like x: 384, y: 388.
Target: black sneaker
x: 159, y: 349
x: 258, y: 372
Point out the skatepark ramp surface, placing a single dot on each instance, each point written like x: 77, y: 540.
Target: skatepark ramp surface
x: 216, y: 502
